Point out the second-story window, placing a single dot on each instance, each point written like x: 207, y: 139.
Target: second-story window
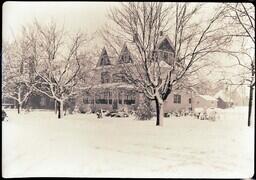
x: 126, y: 58
x: 105, y: 77
x: 119, y: 77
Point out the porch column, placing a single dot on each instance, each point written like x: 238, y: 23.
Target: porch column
x: 114, y: 98
x: 122, y: 97
x: 94, y: 101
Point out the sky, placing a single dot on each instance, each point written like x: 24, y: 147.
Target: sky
x: 86, y: 17
x: 83, y: 16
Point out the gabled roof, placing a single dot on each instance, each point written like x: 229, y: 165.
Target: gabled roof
x: 103, y: 57
x: 124, y: 50
x: 162, y: 39
x: 109, y: 86
x: 132, y: 50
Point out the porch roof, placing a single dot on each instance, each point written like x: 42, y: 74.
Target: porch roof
x: 110, y: 86
x: 208, y: 98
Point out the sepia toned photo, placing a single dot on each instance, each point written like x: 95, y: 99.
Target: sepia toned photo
x: 128, y: 89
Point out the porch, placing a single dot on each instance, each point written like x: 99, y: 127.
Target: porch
x: 111, y: 96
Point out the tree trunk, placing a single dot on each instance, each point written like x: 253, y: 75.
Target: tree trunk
x: 60, y: 110
x: 19, y: 100
x: 19, y: 108
x: 56, y: 106
x: 159, y: 113
x: 250, y: 105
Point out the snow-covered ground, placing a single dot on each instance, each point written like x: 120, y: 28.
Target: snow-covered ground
x: 38, y: 144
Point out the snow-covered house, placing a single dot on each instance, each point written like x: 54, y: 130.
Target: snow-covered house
x: 111, y: 89
x: 188, y: 100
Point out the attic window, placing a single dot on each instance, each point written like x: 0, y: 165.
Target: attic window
x: 104, y: 61
x: 125, y: 57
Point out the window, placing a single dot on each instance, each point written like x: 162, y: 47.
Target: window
x: 105, y: 60
x: 110, y: 98
x: 120, y: 97
x: 177, y: 99
x: 86, y: 100
x: 189, y: 100
x: 105, y: 77
x: 165, y: 56
x: 119, y: 77
x: 97, y: 98
x: 125, y: 57
x: 129, y: 98
x: 105, y: 95
x: 102, y: 98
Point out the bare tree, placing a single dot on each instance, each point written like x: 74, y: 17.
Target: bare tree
x: 17, y: 83
x: 142, y: 24
x: 57, y: 61
x: 241, y: 17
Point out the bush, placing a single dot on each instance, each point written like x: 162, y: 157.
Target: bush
x: 83, y: 109
x: 93, y: 109
x: 166, y: 115
x: 144, y: 111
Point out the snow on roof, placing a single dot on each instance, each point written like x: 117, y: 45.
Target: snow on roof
x: 110, y: 86
x: 221, y: 94
x: 208, y: 98
x: 132, y: 48
x: 161, y: 39
x: 164, y: 64
x: 193, y: 89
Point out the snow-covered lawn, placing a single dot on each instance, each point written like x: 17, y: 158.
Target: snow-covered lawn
x: 38, y: 144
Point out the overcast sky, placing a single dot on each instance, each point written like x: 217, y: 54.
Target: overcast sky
x: 83, y: 16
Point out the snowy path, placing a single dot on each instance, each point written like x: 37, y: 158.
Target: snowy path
x: 38, y: 144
